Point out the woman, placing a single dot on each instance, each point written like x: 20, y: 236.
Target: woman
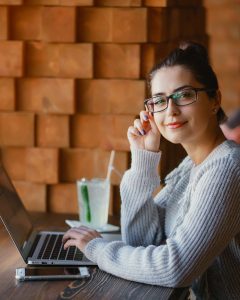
x: 189, y: 234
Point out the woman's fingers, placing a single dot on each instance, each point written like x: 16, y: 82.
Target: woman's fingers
x: 139, y: 126
x: 143, y: 125
x: 153, y: 124
x: 144, y: 116
x: 79, y: 237
x: 133, y: 131
x: 69, y: 243
x: 70, y: 234
x: 147, y: 122
x: 144, y: 133
x: 75, y: 232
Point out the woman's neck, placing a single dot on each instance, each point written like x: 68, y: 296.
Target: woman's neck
x: 199, y: 151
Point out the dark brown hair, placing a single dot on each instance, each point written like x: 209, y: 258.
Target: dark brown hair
x: 193, y: 57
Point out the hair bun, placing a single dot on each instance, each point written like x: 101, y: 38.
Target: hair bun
x: 195, y: 49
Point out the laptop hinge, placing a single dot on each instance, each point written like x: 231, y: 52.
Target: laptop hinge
x: 29, y: 245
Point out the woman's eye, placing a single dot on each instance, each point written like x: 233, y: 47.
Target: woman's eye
x: 159, y: 101
x: 185, y: 94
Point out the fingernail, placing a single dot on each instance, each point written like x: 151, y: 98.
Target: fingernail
x: 145, y: 117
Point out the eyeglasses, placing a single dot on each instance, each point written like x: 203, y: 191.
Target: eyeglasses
x: 183, y: 97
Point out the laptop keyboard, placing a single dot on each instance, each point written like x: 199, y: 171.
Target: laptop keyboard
x: 52, y: 248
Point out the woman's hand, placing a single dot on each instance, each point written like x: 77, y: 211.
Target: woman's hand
x: 79, y: 237
x: 144, y: 133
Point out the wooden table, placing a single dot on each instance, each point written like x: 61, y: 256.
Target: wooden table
x: 100, y: 285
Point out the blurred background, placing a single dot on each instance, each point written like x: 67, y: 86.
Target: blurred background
x: 72, y: 80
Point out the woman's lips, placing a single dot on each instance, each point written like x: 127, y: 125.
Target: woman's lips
x: 175, y: 125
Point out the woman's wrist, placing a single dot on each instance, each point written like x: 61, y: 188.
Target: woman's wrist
x: 145, y: 161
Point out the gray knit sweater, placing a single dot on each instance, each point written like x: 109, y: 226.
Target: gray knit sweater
x: 189, y: 234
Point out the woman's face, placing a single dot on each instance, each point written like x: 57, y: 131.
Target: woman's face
x: 183, y: 124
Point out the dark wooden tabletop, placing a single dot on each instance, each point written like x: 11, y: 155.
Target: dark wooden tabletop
x: 100, y: 285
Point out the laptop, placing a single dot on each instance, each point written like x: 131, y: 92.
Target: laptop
x: 36, y: 247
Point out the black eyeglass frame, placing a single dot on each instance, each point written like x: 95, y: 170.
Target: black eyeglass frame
x: 196, y: 90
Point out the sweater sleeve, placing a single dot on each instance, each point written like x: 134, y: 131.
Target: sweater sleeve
x: 211, y: 222
x: 140, y: 222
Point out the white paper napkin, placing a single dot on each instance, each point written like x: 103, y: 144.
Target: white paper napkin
x: 105, y: 228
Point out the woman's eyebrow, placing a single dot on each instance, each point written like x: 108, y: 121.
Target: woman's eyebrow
x: 175, y: 90
x: 182, y: 87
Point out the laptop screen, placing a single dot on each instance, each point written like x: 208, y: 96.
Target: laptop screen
x: 12, y: 212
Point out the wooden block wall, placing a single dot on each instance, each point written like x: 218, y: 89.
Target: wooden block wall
x: 72, y: 80
x: 223, y: 27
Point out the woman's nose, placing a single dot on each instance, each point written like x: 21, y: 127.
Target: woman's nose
x: 172, y: 109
